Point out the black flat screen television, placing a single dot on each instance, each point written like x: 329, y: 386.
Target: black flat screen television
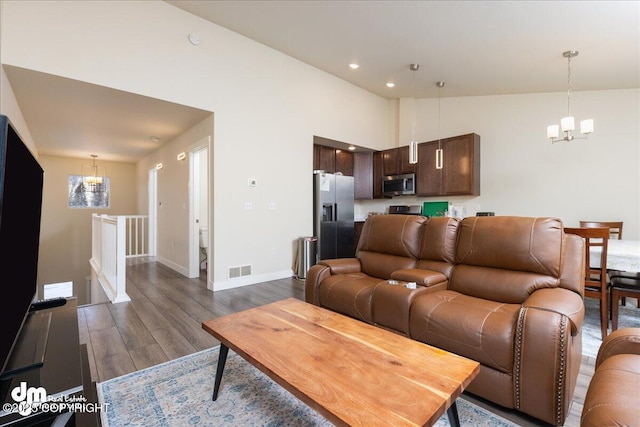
x: 21, y: 183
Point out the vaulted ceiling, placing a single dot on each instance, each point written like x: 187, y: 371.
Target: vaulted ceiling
x: 476, y: 47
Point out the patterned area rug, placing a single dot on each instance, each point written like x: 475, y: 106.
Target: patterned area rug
x: 178, y: 393
x: 628, y: 317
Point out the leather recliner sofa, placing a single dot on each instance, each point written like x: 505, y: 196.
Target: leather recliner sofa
x: 613, y: 396
x: 504, y: 291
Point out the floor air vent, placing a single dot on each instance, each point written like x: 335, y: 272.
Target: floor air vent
x: 244, y: 270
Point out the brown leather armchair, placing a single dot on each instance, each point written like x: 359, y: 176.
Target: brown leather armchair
x: 613, y: 396
x: 515, y: 304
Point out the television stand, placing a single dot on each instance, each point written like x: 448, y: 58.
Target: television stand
x: 29, y: 350
x: 63, y: 373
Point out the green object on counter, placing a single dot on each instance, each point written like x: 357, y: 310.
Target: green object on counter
x: 435, y: 208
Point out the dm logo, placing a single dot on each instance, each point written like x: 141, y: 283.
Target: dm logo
x: 27, y: 397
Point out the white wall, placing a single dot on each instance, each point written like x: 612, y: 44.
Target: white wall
x: 265, y: 119
x: 525, y: 174
x: 269, y: 106
x: 10, y: 108
x: 65, y: 233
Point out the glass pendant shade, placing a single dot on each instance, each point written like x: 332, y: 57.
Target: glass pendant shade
x: 553, y: 131
x: 567, y: 124
x: 413, y: 152
x: 586, y: 126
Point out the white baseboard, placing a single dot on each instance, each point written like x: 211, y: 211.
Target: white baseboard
x: 249, y: 280
x: 172, y: 265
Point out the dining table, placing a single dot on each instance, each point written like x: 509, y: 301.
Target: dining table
x: 622, y: 255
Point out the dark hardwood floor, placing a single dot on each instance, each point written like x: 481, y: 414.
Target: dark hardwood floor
x: 163, y: 321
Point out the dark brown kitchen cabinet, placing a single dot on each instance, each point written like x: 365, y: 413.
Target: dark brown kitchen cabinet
x: 403, y: 161
x: 324, y: 158
x: 460, y: 173
x: 332, y: 160
x: 363, y: 175
x: 390, y: 162
x: 344, y: 162
x: 377, y: 175
x: 396, y: 161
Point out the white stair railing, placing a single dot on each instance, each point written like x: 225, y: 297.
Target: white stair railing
x: 114, y: 239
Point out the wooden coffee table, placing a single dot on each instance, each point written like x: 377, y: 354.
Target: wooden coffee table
x: 350, y: 372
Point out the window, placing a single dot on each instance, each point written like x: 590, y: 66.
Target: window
x: 88, y: 192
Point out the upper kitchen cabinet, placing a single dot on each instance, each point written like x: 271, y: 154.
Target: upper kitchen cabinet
x: 403, y: 161
x: 363, y: 175
x: 332, y: 160
x: 460, y: 172
x: 390, y: 162
x: 324, y: 158
x: 344, y: 162
x: 377, y: 175
x: 395, y: 161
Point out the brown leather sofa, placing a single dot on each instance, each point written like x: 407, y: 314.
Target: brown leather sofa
x: 613, y: 396
x: 504, y: 291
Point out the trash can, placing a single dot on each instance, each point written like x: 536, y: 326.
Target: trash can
x: 306, y: 255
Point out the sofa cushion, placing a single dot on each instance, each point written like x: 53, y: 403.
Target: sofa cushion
x: 514, y: 256
x: 388, y: 243
x: 512, y: 243
x: 485, y: 333
x: 349, y: 294
x: 438, y: 248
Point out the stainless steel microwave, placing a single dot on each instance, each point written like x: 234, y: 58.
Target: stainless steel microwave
x: 399, y: 185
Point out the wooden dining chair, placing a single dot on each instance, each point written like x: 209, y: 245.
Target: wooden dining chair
x: 622, y: 287
x: 615, y: 231
x: 595, y: 277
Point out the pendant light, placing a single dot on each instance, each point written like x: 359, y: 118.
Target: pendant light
x: 91, y: 177
x: 567, y: 124
x: 439, y: 151
x: 413, y: 144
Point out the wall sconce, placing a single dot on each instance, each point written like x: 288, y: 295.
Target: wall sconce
x: 159, y: 166
x: 181, y: 156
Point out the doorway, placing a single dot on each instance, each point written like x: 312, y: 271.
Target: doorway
x: 200, y: 235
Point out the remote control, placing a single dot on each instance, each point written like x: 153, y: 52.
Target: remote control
x: 47, y: 303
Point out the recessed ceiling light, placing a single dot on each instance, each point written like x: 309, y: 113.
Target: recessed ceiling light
x: 351, y: 148
x: 154, y: 138
x: 391, y: 84
x: 354, y: 66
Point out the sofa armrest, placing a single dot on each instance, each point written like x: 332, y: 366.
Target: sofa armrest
x: 342, y: 265
x: 622, y: 341
x: 561, y: 301
x: 419, y: 276
x: 323, y: 269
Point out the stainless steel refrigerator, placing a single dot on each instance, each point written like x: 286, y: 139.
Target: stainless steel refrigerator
x: 333, y: 224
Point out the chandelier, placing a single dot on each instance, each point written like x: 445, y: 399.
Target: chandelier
x: 567, y: 124
x: 91, y: 178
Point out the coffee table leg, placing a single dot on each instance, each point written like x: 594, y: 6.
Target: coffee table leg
x: 222, y: 359
x: 452, y: 414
